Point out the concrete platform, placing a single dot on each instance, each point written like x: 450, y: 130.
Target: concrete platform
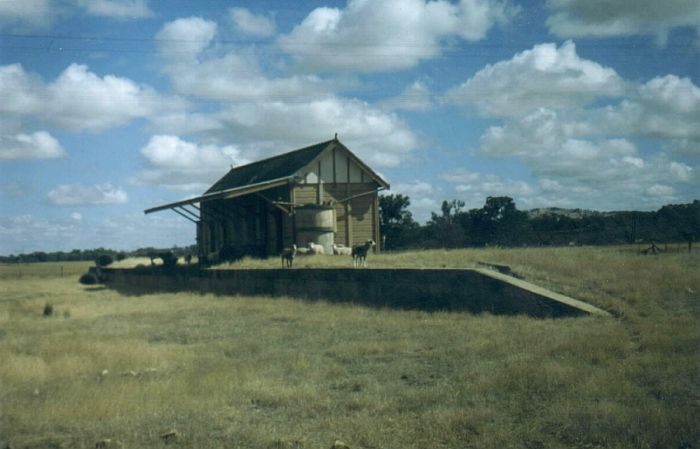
x: 474, y: 290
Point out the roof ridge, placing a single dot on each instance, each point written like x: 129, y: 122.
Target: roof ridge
x: 279, y: 166
x: 235, y: 167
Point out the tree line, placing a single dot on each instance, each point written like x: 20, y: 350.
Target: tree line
x: 500, y: 223
x: 93, y: 254
x: 497, y: 223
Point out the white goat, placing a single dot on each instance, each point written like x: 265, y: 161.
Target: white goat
x: 342, y: 250
x: 359, y: 253
x: 288, y: 256
x: 316, y: 248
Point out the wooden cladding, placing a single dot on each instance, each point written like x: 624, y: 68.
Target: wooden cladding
x: 335, y: 167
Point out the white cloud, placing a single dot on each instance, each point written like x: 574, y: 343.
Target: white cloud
x: 577, y: 149
x: 584, y: 168
x: 42, y: 13
x: 177, y: 164
x: 252, y: 24
x: 680, y: 171
x: 29, y: 12
x: 118, y: 9
x: 38, y: 145
x: 233, y: 76
x: 27, y: 233
x: 578, y: 18
x: 237, y: 77
x: 90, y: 195
x: 79, y: 99
x: 641, y: 187
x: 552, y: 145
x: 422, y: 195
x: 413, y: 188
x: 473, y: 188
x: 661, y: 190
x: 388, y: 35
x: 666, y: 107
x: 543, y: 77
x: 21, y: 92
x: 673, y: 93
x: 263, y: 114
x: 461, y: 175
x: 378, y: 138
x: 416, y: 97
x: 184, y: 39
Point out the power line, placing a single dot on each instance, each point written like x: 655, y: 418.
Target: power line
x: 466, y: 47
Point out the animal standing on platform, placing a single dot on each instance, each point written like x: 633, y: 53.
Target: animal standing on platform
x: 359, y: 253
x: 288, y: 256
x: 341, y: 250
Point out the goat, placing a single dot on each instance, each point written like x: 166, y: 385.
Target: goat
x: 342, y: 250
x: 316, y: 248
x: 359, y: 253
x: 288, y: 256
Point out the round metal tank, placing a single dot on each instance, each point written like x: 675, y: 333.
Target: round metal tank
x: 315, y: 224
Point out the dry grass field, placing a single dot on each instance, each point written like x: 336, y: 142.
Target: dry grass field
x: 243, y: 372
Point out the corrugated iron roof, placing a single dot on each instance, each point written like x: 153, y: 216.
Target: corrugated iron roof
x: 281, y: 166
x: 266, y: 174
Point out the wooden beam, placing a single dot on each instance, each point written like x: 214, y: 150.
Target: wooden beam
x: 360, y: 194
x: 180, y: 213
x: 223, y: 194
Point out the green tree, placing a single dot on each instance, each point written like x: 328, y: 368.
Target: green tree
x: 396, y: 223
x: 499, y: 222
x: 445, y: 230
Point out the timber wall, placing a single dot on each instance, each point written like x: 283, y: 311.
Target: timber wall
x: 423, y: 289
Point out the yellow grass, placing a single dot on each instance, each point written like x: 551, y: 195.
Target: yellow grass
x: 284, y: 373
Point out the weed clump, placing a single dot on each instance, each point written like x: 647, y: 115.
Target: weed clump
x: 88, y: 279
x: 48, y: 309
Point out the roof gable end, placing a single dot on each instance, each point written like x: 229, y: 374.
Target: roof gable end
x: 276, y: 167
x: 336, y: 144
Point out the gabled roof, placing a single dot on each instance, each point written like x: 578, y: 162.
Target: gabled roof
x: 276, y: 167
x: 268, y: 173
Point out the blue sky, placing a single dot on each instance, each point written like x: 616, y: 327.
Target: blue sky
x: 108, y: 107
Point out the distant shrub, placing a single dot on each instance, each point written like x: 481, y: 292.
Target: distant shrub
x: 169, y: 259
x: 48, y: 309
x: 88, y: 279
x: 103, y: 260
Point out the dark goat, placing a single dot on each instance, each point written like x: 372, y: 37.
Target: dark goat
x: 359, y: 253
x: 288, y: 256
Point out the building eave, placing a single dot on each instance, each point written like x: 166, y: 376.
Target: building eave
x: 225, y: 194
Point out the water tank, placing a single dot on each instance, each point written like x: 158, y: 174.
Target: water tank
x: 315, y: 224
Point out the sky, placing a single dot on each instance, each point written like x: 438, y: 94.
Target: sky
x: 109, y: 107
